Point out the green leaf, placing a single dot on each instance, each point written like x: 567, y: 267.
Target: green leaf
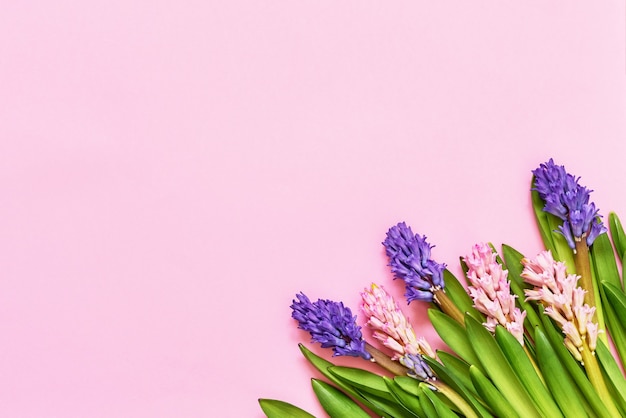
x: 408, y: 384
x: 617, y: 299
x: 457, y: 368
x: 413, y: 386
x: 526, y: 372
x: 617, y: 233
x: 623, y: 261
x: 573, y: 367
x: 453, y: 334
x: 427, y: 405
x: 597, y: 296
x: 465, y: 269
x: 545, y: 230
x: 409, y: 401
x: 547, y: 224
x: 335, y: 402
x: 279, y: 409
x: 614, y: 374
x: 447, y: 376
x: 513, y: 263
x: 457, y: 293
x: 323, y: 367
x: 615, y: 325
x: 558, y: 379
x: 492, y: 396
x: 604, y: 261
x: 441, y: 409
x: 604, y: 269
x: 563, y: 251
x: 362, y: 380
x: 386, y: 408
x: 498, y: 369
x: 319, y: 363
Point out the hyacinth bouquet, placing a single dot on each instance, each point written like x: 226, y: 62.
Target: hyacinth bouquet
x: 541, y: 335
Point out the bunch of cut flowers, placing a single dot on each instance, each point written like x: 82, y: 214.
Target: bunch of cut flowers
x: 542, y: 335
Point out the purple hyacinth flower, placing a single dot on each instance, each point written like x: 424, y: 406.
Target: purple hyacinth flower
x: 569, y: 201
x: 331, y: 324
x: 409, y: 259
x: 417, y: 367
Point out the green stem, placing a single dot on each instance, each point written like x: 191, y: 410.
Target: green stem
x: 455, y: 398
x: 592, y: 367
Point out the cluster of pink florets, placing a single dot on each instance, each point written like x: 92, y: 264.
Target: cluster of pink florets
x: 563, y: 301
x: 491, y: 293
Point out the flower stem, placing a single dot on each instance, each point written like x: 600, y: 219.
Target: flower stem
x: 448, y: 307
x: 583, y: 269
x: 455, y: 398
x: 385, y: 362
x: 592, y: 297
x: 592, y: 367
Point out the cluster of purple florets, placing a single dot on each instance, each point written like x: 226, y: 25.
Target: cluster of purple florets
x: 331, y: 324
x: 418, y: 368
x: 569, y: 201
x: 409, y: 259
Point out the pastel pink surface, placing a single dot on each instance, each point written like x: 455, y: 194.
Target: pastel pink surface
x: 173, y: 174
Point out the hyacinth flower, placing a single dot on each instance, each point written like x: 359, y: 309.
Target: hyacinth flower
x: 332, y: 325
x: 563, y: 301
x: 569, y: 201
x: 409, y: 259
x: 491, y: 293
x: 394, y: 331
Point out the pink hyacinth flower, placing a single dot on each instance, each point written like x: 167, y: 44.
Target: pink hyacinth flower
x: 490, y: 291
x: 394, y: 331
x: 563, y: 300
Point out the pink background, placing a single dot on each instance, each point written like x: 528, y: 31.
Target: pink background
x: 172, y: 173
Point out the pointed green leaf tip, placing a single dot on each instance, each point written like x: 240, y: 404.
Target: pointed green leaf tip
x: 408, y: 400
x: 453, y: 334
x: 617, y: 233
x: 279, y: 409
x: 441, y: 410
x: 335, y: 402
x: 617, y: 298
x: 319, y: 363
x: 543, y: 224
